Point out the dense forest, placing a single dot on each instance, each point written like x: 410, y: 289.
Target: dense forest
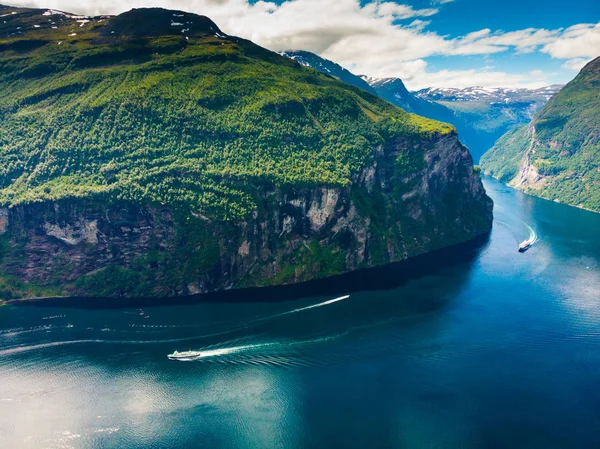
x: 145, y: 108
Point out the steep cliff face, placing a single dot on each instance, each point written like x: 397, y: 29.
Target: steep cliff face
x: 80, y: 247
x: 528, y: 175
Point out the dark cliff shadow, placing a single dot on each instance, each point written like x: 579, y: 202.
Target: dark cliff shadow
x: 378, y: 278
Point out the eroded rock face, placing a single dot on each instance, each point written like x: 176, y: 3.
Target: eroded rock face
x: 528, y: 175
x: 297, y: 234
x: 3, y: 220
x: 322, y: 211
x: 80, y: 231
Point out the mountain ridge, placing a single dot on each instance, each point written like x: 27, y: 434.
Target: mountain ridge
x: 328, y: 67
x: 479, y: 121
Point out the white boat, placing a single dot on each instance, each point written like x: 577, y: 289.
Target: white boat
x: 185, y: 356
x: 524, y: 246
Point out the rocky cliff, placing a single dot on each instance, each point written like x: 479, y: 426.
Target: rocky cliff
x: 80, y: 247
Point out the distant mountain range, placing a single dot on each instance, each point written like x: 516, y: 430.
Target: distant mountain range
x: 502, y: 95
x: 483, y: 115
x: 480, y: 115
x: 557, y: 155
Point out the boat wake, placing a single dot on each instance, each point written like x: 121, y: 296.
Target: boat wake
x: 260, y: 353
x: 195, y: 355
x: 262, y: 320
x: 208, y: 352
x: 314, y: 306
x: 533, y: 237
x: 526, y: 244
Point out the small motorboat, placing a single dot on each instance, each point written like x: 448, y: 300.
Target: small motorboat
x: 524, y: 246
x: 185, y: 356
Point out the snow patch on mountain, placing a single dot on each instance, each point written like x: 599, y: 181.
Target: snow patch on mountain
x: 490, y: 94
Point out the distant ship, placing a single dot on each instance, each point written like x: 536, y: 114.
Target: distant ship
x: 185, y: 356
x: 524, y: 246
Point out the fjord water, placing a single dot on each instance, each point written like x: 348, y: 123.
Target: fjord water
x: 498, y: 351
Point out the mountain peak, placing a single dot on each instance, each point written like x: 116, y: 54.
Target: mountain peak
x: 142, y: 22
x: 592, y: 67
x: 327, y: 67
x: 397, y: 83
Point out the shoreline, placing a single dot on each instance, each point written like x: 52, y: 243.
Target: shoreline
x: 540, y: 197
x: 383, y: 277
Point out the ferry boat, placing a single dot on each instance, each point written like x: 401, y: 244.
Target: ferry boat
x: 524, y: 246
x: 185, y: 356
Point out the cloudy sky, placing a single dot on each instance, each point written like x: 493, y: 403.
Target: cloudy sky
x: 455, y: 43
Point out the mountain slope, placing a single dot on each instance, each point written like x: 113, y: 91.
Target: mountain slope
x: 394, y: 91
x: 557, y: 156
x: 473, y: 122
x: 483, y: 115
x: 480, y: 115
x: 151, y: 154
x: 328, y: 67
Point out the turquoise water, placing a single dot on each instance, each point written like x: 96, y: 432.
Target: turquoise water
x: 494, y: 350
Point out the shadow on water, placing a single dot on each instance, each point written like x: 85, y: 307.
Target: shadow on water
x: 384, y: 277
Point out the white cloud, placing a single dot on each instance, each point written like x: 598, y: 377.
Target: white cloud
x: 418, y: 24
x: 415, y: 76
x: 393, y: 10
x: 367, y: 38
x: 578, y: 41
x: 575, y: 64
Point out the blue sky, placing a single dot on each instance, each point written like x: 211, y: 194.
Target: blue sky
x: 460, y: 17
x: 441, y: 43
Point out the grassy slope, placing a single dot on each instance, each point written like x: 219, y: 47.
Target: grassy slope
x: 129, y: 108
x: 567, y: 146
x: 504, y: 159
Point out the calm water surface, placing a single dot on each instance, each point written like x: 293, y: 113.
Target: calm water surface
x: 502, y: 351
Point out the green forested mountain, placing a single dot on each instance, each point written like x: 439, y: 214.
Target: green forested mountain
x: 557, y: 156
x: 151, y: 154
x: 160, y: 106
